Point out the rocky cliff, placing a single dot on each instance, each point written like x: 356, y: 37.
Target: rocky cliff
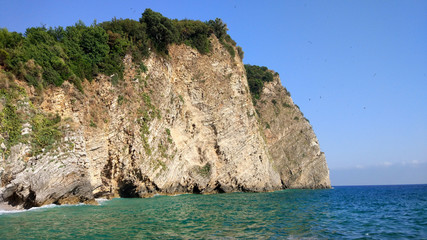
x: 290, y: 139
x: 186, y: 124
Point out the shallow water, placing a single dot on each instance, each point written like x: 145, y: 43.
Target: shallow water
x: 372, y: 212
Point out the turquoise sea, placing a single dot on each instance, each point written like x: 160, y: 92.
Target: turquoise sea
x: 362, y: 212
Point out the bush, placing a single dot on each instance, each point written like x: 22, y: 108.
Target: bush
x: 205, y: 171
x: 4, y: 56
x: 218, y: 27
x: 286, y: 105
x: 10, y: 124
x: 143, y: 68
x: 257, y: 76
x: 10, y: 40
x: 32, y: 73
x: 194, y: 34
x: 45, y: 131
x: 240, y: 52
x: 229, y: 48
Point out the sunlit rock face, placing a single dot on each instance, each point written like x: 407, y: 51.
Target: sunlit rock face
x: 290, y: 140
x: 186, y: 125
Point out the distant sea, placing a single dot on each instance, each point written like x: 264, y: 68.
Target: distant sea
x: 356, y: 212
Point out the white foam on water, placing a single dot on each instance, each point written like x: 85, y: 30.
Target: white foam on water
x: 10, y: 211
x: 25, y: 210
x: 2, y: 211
x: 45, y: 206
x: 101, y: 200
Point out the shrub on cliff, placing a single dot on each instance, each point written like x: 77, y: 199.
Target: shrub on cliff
x: 10, y: 124
x: 257, y: 76
x: 219, y: 28
x: 45, y: 132
x: 4, y: 57
x: 240, y: 52
x: 194, y: 34
x: 9, y: 40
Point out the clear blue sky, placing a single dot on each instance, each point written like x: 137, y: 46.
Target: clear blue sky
x: 357, y: 69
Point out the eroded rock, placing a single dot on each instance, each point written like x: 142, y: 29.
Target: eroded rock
x: 188, y: 124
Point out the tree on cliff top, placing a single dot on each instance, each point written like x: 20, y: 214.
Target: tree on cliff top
x: 160, y: 29
x: 219, y: 28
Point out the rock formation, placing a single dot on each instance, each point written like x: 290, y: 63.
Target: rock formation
x: 186, y: 125
x: 290, y: 139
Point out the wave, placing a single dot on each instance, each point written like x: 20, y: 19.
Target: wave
x: 101, y: 200
x: 10, y: 211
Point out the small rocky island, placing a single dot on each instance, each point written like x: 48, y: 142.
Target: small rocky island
x: 129, y: 108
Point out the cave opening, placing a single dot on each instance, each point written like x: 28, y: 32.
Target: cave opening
x: 196, y: 190
x: 128, y: 190
x: 219, y: 189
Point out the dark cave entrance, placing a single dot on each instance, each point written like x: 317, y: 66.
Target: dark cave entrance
x: 128, y: 190
x: 196, y: 190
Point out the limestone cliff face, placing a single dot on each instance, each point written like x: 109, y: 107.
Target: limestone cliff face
x: 291, y: 140
x: 187, y: 124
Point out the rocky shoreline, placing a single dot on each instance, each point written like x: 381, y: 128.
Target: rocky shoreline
x: 6, y: 207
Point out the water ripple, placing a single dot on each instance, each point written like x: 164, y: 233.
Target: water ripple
x: 375, y: 212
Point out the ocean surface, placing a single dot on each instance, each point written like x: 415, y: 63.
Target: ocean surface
x: 358, y: 212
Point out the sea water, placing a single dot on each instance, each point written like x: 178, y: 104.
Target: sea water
x: 365, y: 212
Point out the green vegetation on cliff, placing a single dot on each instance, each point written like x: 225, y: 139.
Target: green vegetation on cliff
x: 45, y: 132
x: 10, y: 116
x: 51, y: 56
x: 17, y: 115
x: 257, y: 76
